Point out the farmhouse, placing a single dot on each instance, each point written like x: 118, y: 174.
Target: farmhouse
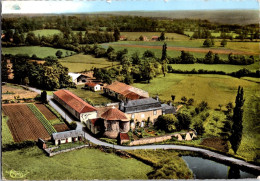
x: 142, y: 110
x: 124, y: 92
x: 78, y: 78
x: 110, y: 124
x: 122, y: 38
x: 92, y: 86
x: 155, y: 38
x: 67, y: 136
x: 75, y: 105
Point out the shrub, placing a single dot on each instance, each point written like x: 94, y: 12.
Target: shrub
x: 73, y: 125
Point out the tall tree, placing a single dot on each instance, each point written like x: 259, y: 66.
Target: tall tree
x: 237, y: 127
x: 116, y: 34
x: 164, y: 52
x: 162, y: 37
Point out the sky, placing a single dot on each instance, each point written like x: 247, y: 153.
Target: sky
x: 90, y: 6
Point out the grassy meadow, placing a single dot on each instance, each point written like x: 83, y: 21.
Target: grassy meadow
x: 46, y: 32
x: 227, y: 68
x: 81, y: 62
x: 83, y: 164
x: 215, y: 89
x: 40, y: 52
x: 95, y: 98
x: 7, y: 137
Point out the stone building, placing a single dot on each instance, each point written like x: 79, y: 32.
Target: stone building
x: 124, y: 92
x: 143, y: 110
x: 115, y: 122
x: 92, y: 86
x: 75, y: 105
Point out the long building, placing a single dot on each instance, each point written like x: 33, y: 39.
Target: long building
x: 75, y: 105
x: 124, y: 92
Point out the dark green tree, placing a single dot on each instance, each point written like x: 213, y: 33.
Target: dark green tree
x: 116, y: 34
x: 237, y: 127
x: 224, y: 42
x: 58, y: 54
x: 164, y: 52
x: 44, y: 97
x: 162, y: 36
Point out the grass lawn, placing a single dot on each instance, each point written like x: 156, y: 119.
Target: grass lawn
x: 217, y: 67
x: 46, y: 32
x: 253, y: 79
x: 7, y: 137
x: 81, y: 62
x: 215, y: 89
x: 83, y: 164
x: 95, y: 98
x: 40, y: 52
x: 178, y: 170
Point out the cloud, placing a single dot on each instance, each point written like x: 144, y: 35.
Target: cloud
x: 44, y: 6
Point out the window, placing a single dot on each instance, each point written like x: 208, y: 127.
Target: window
x: 155, y: 112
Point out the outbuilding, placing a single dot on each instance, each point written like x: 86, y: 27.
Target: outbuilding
x: 92, y: 86
x: 67, y: 136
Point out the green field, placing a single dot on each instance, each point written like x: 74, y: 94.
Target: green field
x: 80, y: 62
x: 227, y: 68
x: 40, y: 52
x: 215, y: 89
x: 253, y: 79
x: 95, y: 98
x: 157, y: 52
x: 46, y: 32
x: 132, y: 36
x: 83, y: 164
x: 7, y: 137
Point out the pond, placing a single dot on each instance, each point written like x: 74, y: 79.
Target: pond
x: 207, y: 169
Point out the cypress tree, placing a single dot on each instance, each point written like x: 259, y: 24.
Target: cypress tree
x: 237, y: 127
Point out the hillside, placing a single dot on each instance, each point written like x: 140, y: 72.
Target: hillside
x: 242, y: 17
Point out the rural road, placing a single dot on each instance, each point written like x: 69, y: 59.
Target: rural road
x: 207, y: 153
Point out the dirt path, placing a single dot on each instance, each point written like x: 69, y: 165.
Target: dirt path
x: 199, y: 50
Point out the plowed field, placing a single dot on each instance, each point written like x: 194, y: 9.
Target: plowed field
x: 23, y: 124
x: 46, y: 112
x: 61, y: 127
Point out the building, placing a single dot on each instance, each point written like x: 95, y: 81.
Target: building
x: 115, y: 122
x: 109, y: 123
x: 124, y: 92
x: 145, y: 38
x: 78, y: 78
x: 67, y: 137
x: 155, y: 38
x: 123, y: 138
x: 145, y: 110
x: 92, y: 86
x: 123, y: 38
x: 75, y: 105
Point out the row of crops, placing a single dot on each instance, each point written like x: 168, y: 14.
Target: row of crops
x: 42, y: 118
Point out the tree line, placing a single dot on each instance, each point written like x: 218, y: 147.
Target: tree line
x: 49, y: 75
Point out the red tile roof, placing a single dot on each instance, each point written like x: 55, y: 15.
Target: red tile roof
x: 74, y: 101
x: 91, y: 84
x: 114, y: 114
x: 124, y: 136
x: 132, y: 96
x: 118, y: 87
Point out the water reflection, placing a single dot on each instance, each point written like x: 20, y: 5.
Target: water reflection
x: 207, y: 169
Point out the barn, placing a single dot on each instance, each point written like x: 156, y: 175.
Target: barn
x: 75, y: 105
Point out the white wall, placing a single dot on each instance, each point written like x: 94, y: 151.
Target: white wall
x: 86, y: 116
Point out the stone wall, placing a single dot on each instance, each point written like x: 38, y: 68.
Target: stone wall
x: 50, y: 153
x: 140, y: 116
x: 150, y: 140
